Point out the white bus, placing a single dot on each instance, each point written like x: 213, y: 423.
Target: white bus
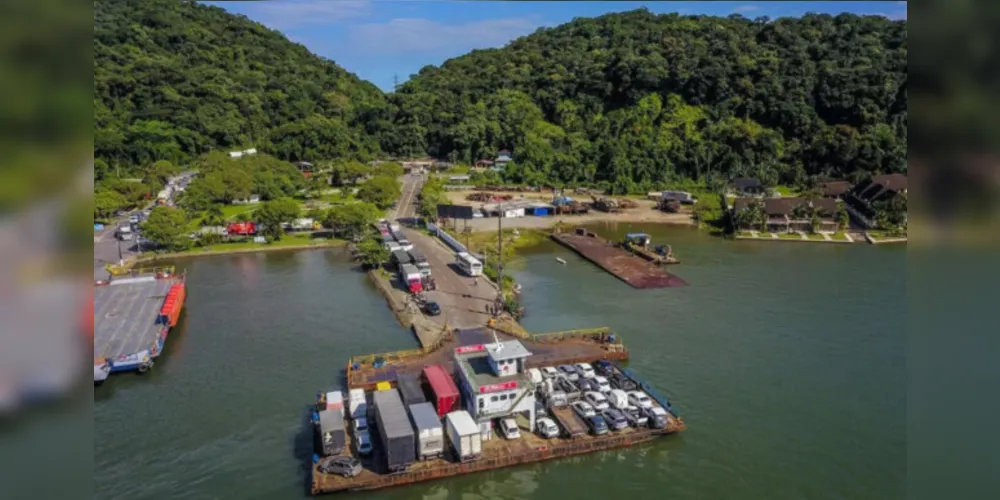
x: 468, y: 264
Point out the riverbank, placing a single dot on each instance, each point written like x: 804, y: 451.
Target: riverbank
x: 838, y: 238
x: 293, y: 243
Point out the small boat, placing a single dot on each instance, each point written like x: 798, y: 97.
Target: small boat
x: 560, y: 260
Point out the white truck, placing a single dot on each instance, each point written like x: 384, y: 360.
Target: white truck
x: 464, y: 435
x: 358, y: 405
x: 430, y: 436
x: 125, y: 233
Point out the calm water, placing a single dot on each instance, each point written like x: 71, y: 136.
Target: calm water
x: 786, y: 360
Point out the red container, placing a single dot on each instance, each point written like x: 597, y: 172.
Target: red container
x: 242, y: 228
x: 446, y: 396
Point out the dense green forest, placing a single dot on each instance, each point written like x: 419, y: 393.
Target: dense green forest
x: 630, y: 101
x: 173, y: 80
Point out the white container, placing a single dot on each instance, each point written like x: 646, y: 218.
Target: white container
x: 358, y: 403
x: 464, y: 434
x: 335, y: 401
x: 430, y: 436
x: 618, y: 399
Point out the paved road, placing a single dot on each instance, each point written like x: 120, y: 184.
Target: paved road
x: 463, y: 300
x: 407, y: 206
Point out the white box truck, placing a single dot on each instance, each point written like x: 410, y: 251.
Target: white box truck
x: 464, y: 435
x: 430, y: 436
x: 358, y: 404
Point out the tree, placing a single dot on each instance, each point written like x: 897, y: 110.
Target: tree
x: 431, y: 195
x: 843, y: 218
x: 161, y: 171
x: 272, y: 214
x: 348, y: 172
x: 167, y: 228
x: 107, y: 202
x: 214, y: 216
x: 380, y: 191
x: 371, y: 253
x: 388, y: 169
x: 352, y: 220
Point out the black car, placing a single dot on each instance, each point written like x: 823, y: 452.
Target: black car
x: 597, y: 425
x: 604, y: 367
x: 615, y: 419
x: 589, y: 384
x: 619, y: 381
x: 432, y: 308
x: 343, y: 465
x: 567, y: 385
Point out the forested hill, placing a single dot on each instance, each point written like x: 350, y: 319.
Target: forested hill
x: 175, y: 79
x: 637, y: 99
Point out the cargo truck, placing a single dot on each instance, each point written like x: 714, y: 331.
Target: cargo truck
x: 331, y: 434
x: 395, y: 430
x: 570, y: 423
x: 464, y: 435
x: 410, y: 390
x: 446, y: 396
x: 411, y: 278
x: 358, y: 404
x: 430, y: 436
x: 420, y: 261
x: 399, y: 257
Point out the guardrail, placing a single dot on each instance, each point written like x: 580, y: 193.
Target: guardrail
x: 664, y: 402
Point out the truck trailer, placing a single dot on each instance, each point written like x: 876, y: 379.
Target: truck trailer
x: 464, y: 435
x: 395, y: 430
x: 330, y: 432
x: 430, y: 435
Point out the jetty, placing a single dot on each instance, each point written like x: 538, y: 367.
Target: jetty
x: 632, y: 269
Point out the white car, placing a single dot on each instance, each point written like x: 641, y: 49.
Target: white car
x: 583, y: 409
x: 602, y: 384
x: 585, y: 370
x: 550, y: 372
x: 569, y: 371
x: 638, y: 398
x: 363, y: 441
x: 547, y: 428
x: 597, y: 400
x: 509, y: 428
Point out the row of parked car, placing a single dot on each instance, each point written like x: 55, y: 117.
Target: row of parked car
x: 602, y: 397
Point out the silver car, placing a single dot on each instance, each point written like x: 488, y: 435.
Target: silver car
x: 342, y: 465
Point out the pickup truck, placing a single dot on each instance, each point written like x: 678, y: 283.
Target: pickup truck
x: 571, y: 425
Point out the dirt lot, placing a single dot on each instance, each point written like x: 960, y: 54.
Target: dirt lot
x: 646, y: 212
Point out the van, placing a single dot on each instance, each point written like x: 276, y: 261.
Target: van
x: 509, y: 428
x: 618, y: 399
x: 535, y: 374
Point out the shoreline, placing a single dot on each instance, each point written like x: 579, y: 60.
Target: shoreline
x: 262, y: 248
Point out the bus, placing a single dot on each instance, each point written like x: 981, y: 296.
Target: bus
x: 468, y: 264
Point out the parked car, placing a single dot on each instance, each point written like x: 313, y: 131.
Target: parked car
x: 604, y: 367
x: 509, y: 428
x: 583, y: 409
x: 597, y: 425
x: 585, y: 370
x: 587, y: 384
x: 640, y: 399
x: 603, y: 386
x: 657, y: 416
x: 432, y: 308
x: 360, y: 425
x: 619, y: 381
x: 340, y: 464
x: 550, y: 372
x: 363, y: 441
x: 540, y: 410
x: 547, y: 428
x: 615, y: 419
x: 567, y: 385
x: 597, y: 400
x: 636, y: 417
x: 569, y: 371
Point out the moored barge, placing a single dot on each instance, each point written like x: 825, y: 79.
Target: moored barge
x: 634, y: 270
x: 132, y: 317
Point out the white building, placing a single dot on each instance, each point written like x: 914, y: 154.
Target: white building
x: 495, y: 382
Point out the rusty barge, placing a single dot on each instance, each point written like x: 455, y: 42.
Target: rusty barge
x: 632, y: 269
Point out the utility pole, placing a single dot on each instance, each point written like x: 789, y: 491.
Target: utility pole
x: 500, y: 254
x: 395, y: 81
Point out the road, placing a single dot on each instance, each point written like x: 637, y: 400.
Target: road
x: 407, y: 206
x: 463, y: 299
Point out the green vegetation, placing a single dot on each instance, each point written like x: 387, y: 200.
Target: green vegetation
x: 891, y: 216
x: 371, y: 253
x: 353, y: 220
x: 173, y: 80
x: 272, y: 213
x: 380, y: 191
x: 166, y: 227
x: 629, y: 102
x: 246, y: 245
x: 431, y: 195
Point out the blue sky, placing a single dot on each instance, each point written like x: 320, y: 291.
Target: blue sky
x: 380, y: 39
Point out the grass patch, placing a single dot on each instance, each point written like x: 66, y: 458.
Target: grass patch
x: 457, y: 170
x: 789, y: 236
x: 244, y: 246
x: 786, y: 191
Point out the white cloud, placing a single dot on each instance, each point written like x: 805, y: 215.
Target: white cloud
x: 424, y: 35
x: 286, y: 14
x: 746, y: 8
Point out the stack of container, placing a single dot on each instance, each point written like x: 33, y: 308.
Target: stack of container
x: 430, y: 436
x: 395, y: 430
x: 446, y: 395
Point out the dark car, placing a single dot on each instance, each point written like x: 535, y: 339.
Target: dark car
x: 432, y: 308
x: 619, y: 381
x: 597, y: 425
x: 345, y: 466
x: 615, y: 419
x: 604, y: 367
x: 589, y: 384
x: 567, y: 385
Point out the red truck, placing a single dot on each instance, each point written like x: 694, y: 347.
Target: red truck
x: 412, y: 278
x: 446, y: 396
